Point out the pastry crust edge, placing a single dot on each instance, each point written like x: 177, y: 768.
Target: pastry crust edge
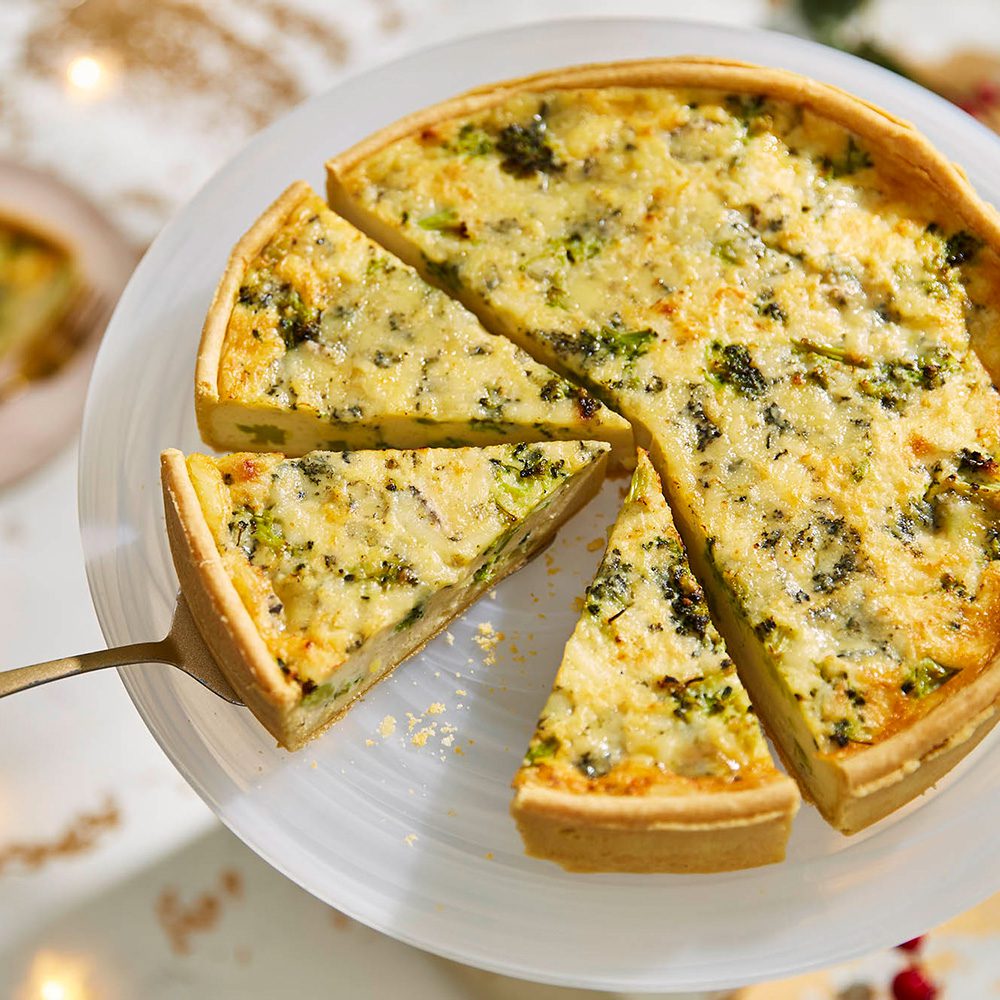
x: 699, y: 831
x: 213, y: 331
x: 911, y: 152
x: 219, y: 613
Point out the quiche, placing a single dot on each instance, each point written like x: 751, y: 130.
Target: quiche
x: 648, y: 756
x: 39, y: 281
x: 794, y: 299
x: 311, y: 578
x: 319, y: 339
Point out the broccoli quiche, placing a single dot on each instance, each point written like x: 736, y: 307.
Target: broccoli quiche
x: 39, y: 283
x: 648, y: 756
x: 311, y: 578
x: 320, y: 339
x: 795, y: 300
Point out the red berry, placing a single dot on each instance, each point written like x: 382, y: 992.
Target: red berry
x: 912, y: 984
x: 914, y: 944
x: 988, y: 92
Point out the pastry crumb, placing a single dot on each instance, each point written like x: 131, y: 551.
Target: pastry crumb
x: 420, y: 738
x: 449, y: 638
x: 82, y: 834
x: 387, y: 726
x: 436, y: 709
x: 487, y: 638
x: 410, y: 839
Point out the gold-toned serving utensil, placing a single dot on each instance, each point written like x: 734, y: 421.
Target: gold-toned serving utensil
x: 183, y: 648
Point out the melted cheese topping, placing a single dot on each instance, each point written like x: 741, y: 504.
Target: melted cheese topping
x: 334, y: 549
x: 646, y: 696
x: 788, y: 323
x: 329, y: 327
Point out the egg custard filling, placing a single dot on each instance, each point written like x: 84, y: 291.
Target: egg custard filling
x: 794, y: 300
x: 311, y: 578
x: 320, y: 339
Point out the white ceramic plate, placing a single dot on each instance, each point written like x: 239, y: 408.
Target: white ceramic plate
x: 417, y: 841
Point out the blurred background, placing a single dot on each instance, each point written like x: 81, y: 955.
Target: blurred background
x: 115, y: 880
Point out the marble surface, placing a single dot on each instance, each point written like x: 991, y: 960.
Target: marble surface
x: 115, y: 880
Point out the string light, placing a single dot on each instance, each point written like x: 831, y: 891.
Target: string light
x: 86, y: 74
x: 57, y: 977
x: 52, y: 989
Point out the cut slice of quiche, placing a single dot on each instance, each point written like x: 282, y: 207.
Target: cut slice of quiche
x: 796, y: 299
x: 311, y: 578
x: 319, y: 338
x: 648, y: 756
x: 39, y: 284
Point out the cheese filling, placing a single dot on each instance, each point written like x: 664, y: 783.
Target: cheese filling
x: 646, y: 697
x: 335, y: 549
x: 787, y: 322
x: 337, y: 344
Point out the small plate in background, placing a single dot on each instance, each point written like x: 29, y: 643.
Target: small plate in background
x: 38, y: 418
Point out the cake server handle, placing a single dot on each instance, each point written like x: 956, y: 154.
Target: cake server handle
x: 182, y: 648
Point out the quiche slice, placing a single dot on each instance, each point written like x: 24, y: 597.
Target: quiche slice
x: 39, y: 283
x: 311, y: 578
x: 648, y: 756
x: 796, y: 300
x: 318, y: 338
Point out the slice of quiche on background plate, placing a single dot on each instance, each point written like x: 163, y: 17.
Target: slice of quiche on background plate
x: 311, y: 578
x: 318, y: 338
x: 795, y: 299
x: 648, y: 756
x: 39, y: 284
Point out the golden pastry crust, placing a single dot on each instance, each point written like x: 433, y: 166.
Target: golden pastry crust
x: 856, y: 789
x: 696, y: 832
x: 222, y: 618
x: 213, y: 334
